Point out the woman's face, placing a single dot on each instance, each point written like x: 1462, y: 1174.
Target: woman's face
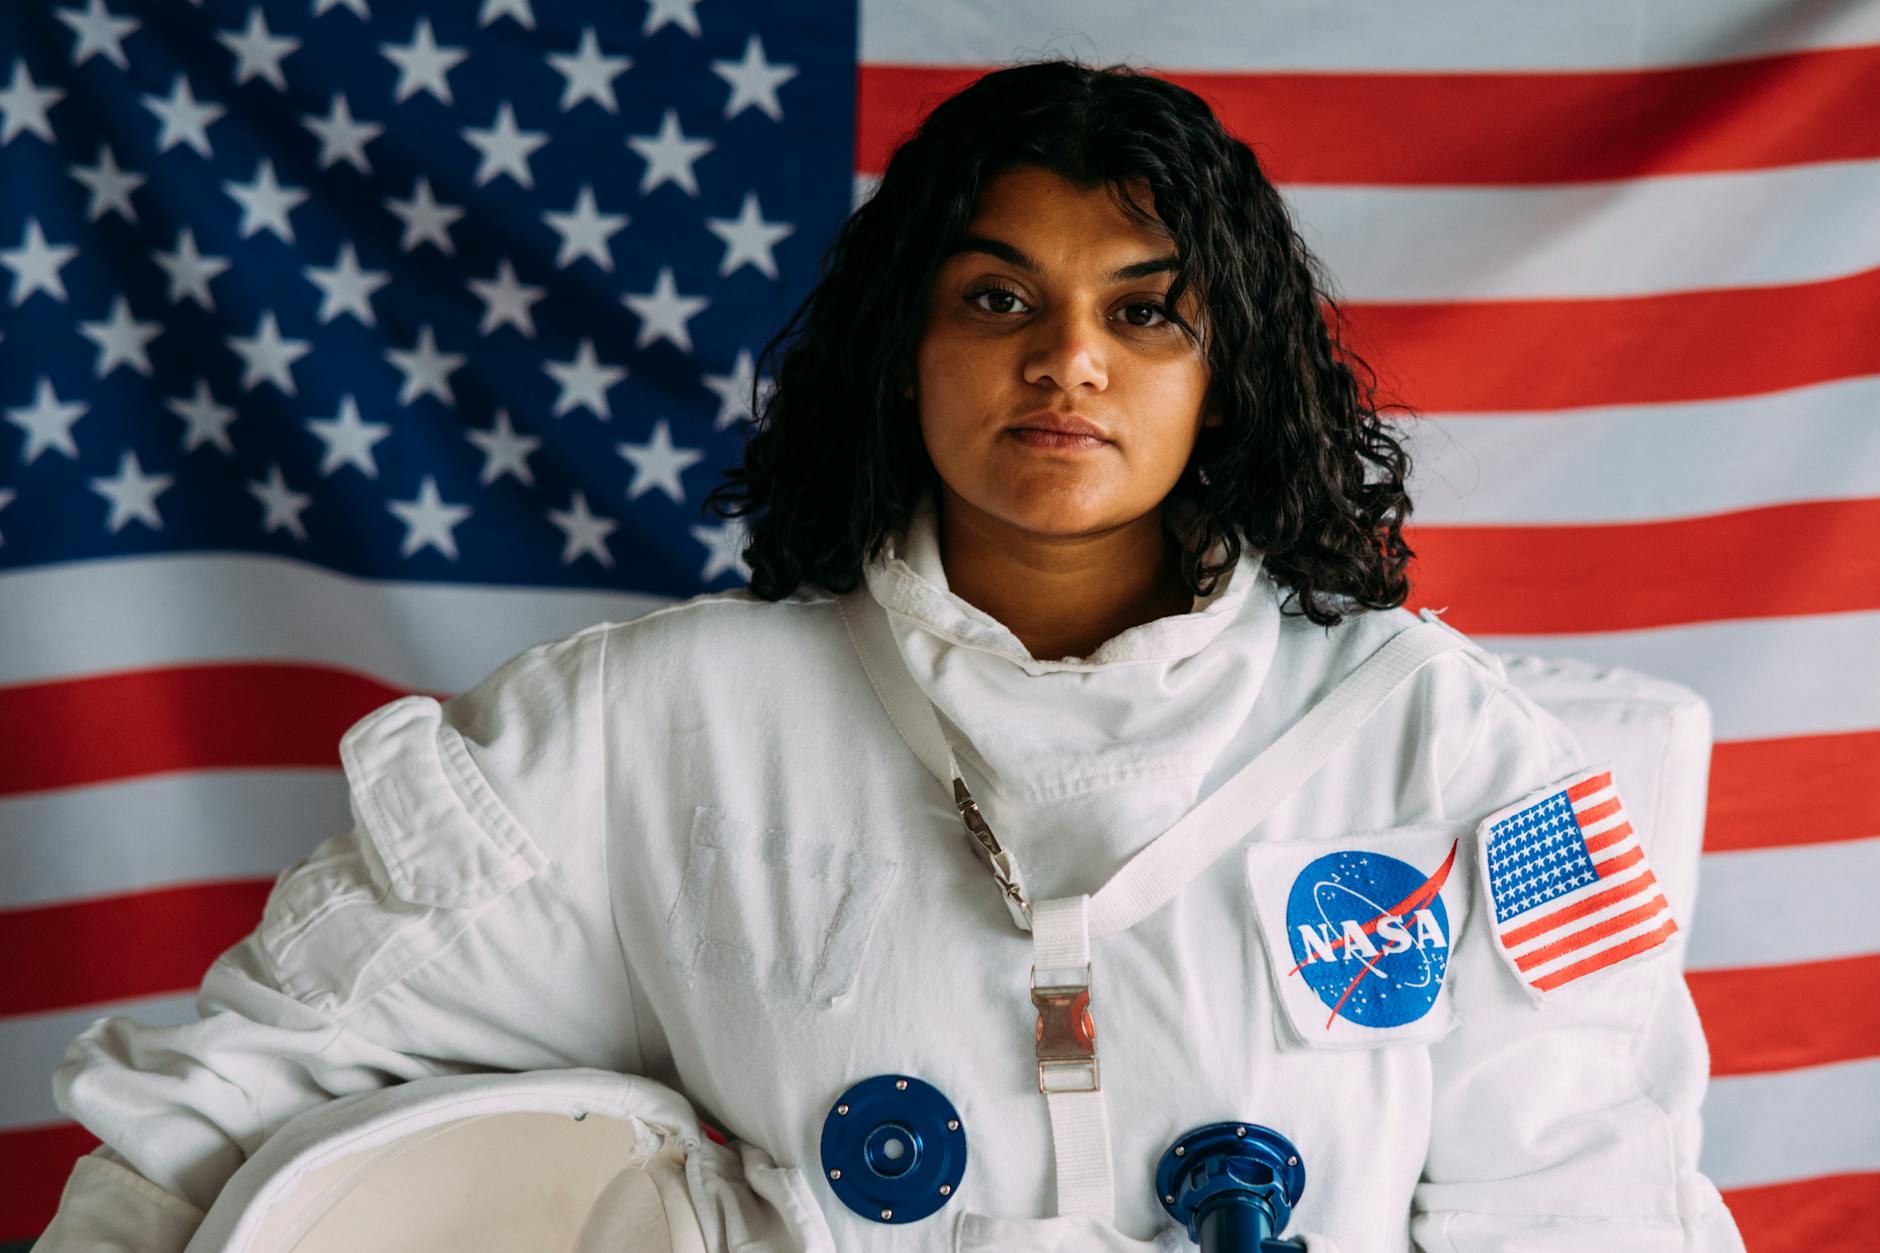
x: 1072, y: 336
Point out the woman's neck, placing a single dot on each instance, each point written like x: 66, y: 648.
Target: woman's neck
x: 1063, y: 596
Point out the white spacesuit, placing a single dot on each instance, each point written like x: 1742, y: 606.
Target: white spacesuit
x: 694, y: 847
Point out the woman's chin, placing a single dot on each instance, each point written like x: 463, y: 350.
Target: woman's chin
x: 1067, y: 518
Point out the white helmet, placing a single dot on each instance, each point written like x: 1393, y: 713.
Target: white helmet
x: 563, y: 1161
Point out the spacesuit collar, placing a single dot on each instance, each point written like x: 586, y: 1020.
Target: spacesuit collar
x: 910, y: 581
x: 1150, y: 703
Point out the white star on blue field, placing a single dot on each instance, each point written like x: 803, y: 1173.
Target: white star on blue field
x: 464, y: 292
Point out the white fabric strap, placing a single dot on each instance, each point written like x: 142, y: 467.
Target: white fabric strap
x: 1156, y: 873
x: 1062, y: 929
x: 908, y: 707
x: 1080, y: 1121
x: 1080, y: 1134
x: 1060, y: 937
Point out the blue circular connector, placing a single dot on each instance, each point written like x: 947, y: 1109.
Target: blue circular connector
x: 893, y: 1149
x: 1231, y: 1184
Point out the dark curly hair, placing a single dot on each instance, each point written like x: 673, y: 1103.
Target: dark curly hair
x: 1301, y: 466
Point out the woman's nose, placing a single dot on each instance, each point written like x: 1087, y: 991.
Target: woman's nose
x: 1068, y: 351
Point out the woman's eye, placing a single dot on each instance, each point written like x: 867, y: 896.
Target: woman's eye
x: 994, y: 291
x: 1004, y: 293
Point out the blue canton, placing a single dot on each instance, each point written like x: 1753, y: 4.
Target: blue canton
x: 435, y: 292
x: 1535, y: 856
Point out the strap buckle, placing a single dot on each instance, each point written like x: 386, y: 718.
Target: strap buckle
x: 1066, y: 1036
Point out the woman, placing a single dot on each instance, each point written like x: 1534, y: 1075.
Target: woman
x: 1063, y: 453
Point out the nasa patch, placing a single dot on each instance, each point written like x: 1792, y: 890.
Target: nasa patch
x: 1359, y: 932
x: 1371, y: 935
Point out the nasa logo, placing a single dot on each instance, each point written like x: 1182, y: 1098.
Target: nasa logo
x: 1370, y: 935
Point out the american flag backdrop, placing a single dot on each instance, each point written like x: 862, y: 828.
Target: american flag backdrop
x: 348, y: 347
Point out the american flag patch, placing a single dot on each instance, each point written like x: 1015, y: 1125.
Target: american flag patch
x: 1570, y: 887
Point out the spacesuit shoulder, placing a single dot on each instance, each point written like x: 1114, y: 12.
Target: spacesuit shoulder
x: 722, y: 650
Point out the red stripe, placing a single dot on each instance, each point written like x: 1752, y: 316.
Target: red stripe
x: 1834, y: 1214
x: 118, y: 947
x: 1805, y: 789
x: 1476, y: 128
x: 1544, y: 355
x: 1599, y: 961
x: 1586, y: 787
x: 892, y: 100
x: 1461, y: 357
x: 1599, y: 812
x: 1829, y: 1012
x: 101, y: 728
x: 1624, y: 861
x: 1591, y: 905
x: 1549, y: 580
x: 1593, y: 934
x: 35, y: 1162
x: 1606, y: 839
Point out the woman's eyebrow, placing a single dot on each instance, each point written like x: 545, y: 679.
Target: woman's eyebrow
x: 1013, y: 256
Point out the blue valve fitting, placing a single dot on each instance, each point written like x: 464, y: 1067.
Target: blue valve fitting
x: 893, y: 1149
x: 1233, y: 1185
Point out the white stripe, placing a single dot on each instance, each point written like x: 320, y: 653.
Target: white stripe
x: 1604, y: 240
x: 1765, y: 678
x: 1357, y: 34
x: 125, y: 613
x: 1604, y: 855
x: 1593, y: 948
x: 1612, y: 238
x: 34, y: 1044
x: 1794, y: 1124
x: 1802, y: 676
x: 1568, y: 901
x: 1608, y: 464
x: 107, y: 839
x: 1599, y: 826
x: 1779, y: 906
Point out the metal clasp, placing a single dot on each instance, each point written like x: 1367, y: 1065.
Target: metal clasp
x: 997, y: 859
x: 1066, y: 1036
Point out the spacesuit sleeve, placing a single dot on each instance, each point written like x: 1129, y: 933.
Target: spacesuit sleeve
x: 424, y: 940
x: 1567, y: 1121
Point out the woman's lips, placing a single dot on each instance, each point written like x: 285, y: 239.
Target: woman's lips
x: 1056, y: 440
